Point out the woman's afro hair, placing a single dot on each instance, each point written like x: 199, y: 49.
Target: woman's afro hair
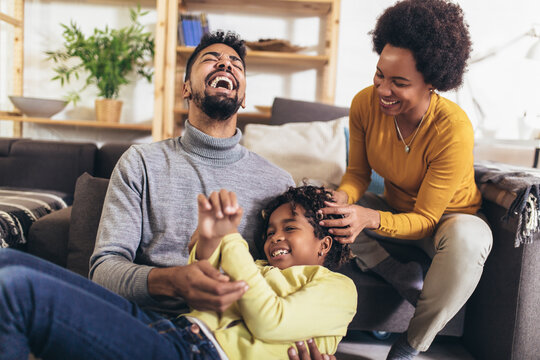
x: 435, y: 32
x: 311, y: 199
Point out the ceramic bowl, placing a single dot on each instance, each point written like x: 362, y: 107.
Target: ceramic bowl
x: 36, y: 107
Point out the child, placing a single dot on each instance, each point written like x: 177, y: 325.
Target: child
x: 292, y: 295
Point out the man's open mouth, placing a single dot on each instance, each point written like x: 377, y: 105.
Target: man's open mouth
x: 222, y: 82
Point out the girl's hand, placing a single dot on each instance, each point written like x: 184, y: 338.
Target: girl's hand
x: 355, y: 219
x: 219, y: 215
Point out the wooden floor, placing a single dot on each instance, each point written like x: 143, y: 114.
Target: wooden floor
x: 363, y: 346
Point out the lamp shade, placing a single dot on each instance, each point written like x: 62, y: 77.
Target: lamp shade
x: 534, y: 51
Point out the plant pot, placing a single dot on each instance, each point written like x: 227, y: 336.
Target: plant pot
x: 108, y: 110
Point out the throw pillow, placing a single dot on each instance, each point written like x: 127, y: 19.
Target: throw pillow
x: 315, y: 151
x: 85, y: 215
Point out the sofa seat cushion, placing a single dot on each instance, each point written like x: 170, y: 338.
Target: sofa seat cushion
x: 87, y: 205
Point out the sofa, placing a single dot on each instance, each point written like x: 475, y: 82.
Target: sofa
x: 53, y: 167
x: 500, y: 321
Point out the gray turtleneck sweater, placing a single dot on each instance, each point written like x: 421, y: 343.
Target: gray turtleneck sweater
x: 150, y: 211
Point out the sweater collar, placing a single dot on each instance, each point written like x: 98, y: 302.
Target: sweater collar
x: 217, y: 151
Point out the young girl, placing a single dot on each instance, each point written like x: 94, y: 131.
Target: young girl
x: 293, y: 294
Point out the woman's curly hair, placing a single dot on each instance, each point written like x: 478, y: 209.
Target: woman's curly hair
x: 436, y: 33
x: 311, y: 198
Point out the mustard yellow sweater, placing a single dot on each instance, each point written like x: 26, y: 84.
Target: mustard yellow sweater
x: 434, y: 178
x: 280, y: 307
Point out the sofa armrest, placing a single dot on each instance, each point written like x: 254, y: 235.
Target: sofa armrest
x: 48, y: 237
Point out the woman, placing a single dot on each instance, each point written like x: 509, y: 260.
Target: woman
x: 422, y: 145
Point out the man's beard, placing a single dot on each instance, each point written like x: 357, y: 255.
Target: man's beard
x: 217, y: 107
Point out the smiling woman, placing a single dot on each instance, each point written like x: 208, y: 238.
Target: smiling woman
x: 422, y: 145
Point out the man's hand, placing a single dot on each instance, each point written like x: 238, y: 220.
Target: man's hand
x: 355, y: 219
x: 302, y: 353
x: 200, y: 284
x: 219, y: 215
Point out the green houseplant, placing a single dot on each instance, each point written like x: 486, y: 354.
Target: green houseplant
x: 106, y: 58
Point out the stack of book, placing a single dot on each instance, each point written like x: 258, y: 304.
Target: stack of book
x: 191, y: 27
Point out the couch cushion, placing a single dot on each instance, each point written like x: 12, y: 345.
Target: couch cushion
x: 47, y: 165
x: 106, y: 158
x: 87, y: 205
x: 48, y: 237
x: 287, y: 111
x: 310, y: 150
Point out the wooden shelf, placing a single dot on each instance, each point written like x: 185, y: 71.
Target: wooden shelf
x: 85, y: 123
x: 302, y: 7
x: 243, y: 116
x: 171, y: 59
x: 270, y: 58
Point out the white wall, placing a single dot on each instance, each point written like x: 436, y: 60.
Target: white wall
x: 505, y: 85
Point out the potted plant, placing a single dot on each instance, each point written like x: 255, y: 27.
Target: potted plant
x: 106, y: 58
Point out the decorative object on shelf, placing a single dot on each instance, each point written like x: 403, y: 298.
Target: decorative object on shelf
x: 106, y: 57
x: 273, y: 45
x: 108, y: 110
x: 191, y: 28
x: 36, y: 107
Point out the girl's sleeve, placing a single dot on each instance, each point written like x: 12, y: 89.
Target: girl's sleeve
x: 324, y: 306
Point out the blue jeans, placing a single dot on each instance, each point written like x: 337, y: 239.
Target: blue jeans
x: 57, y: 314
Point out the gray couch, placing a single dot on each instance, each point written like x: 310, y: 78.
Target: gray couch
x: 55, y: 166
x: 500, y: 321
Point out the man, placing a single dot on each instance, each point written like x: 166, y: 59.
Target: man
x: 141, y: 252
x: 150, y: 211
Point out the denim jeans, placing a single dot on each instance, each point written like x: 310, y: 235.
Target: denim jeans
x: 57, y: 314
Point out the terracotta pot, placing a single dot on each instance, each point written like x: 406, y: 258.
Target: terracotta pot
x: 108, y: 110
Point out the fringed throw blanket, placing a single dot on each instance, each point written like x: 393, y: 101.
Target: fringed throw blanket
x: 19, y: 209
x: 517, y: 190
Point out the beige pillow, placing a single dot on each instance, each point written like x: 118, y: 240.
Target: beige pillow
x: 315, y: 151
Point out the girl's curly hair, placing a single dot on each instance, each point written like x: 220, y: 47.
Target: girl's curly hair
x: 436, y: 33
x: 311, y: 198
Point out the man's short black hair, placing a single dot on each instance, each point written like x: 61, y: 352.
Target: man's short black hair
x: 228, y: 38
x: 436, y: 33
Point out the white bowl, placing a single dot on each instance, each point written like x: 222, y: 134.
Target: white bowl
x: 36, y: 107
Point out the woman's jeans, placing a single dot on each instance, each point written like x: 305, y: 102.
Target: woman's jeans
x: 57, y: 314
x: 458, y: 248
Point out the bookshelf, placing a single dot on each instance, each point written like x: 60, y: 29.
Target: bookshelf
x: 170, y: 58
x: 15, y: 19
x: 17, y: 118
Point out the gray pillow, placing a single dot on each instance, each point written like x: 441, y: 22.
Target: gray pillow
x: 287, y: 111
x: 87, y: 205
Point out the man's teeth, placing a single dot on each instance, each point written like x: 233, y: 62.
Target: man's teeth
x: 216, y: 81
x: 388, y: 102
x: 279, y: 252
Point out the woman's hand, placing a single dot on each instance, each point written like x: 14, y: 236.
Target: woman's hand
x: 340, y: 196
x: 355, y: 219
